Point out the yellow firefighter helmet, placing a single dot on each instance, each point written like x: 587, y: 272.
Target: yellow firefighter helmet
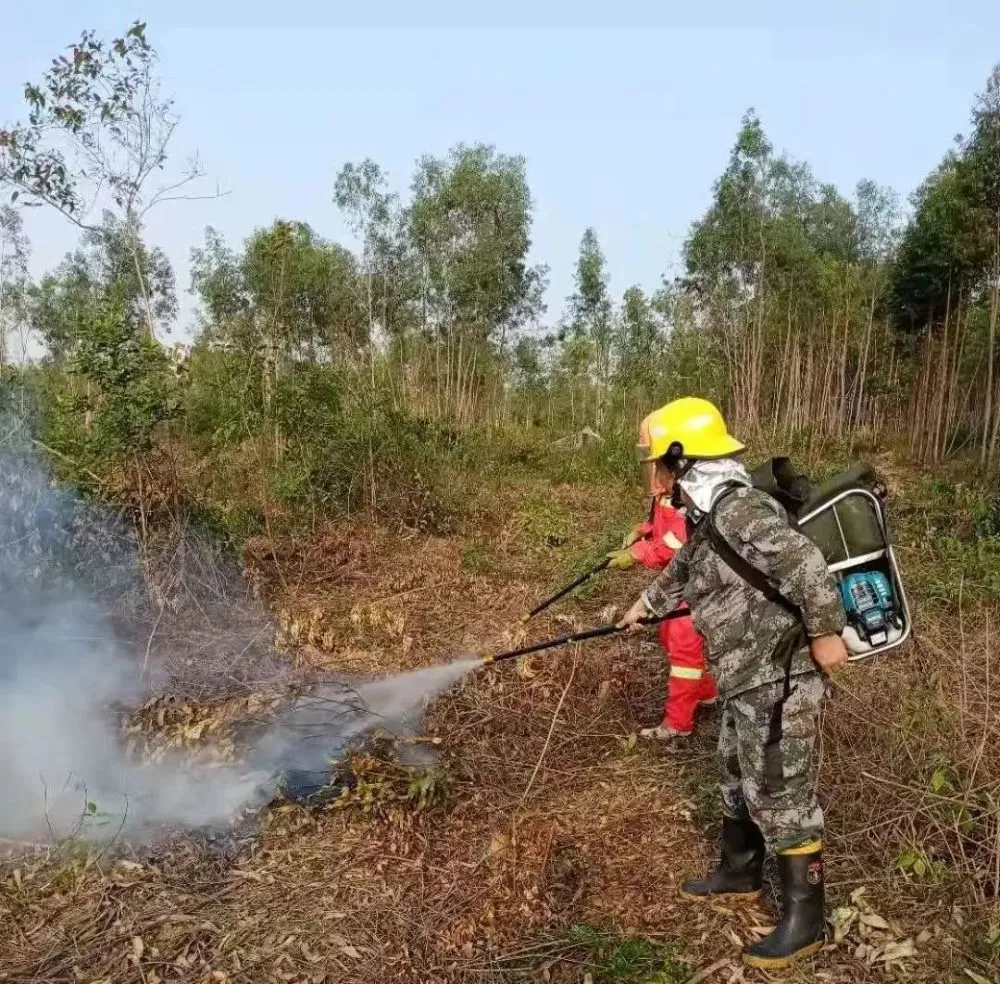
x: 694, y: 425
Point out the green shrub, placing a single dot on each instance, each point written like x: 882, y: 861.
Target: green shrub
x: 610, y: 461
x: 542, y: 524
x: 615, y: 959
x: 479, y: 556
x: 119, y: 389
x: 959, y: 568
x: 223, y: 397
x: 986, y: 516
x: 504, y: 450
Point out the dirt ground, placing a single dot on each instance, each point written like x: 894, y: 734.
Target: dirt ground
x: 545, y: 836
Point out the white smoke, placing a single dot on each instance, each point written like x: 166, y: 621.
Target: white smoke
x: 67, y: 672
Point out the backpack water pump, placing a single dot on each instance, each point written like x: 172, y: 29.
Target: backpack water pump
x: 872, y: 618
x: 845, y: 518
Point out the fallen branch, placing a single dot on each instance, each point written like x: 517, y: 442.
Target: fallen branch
x: 919, y: 791
x: 708, y: 971
x: 65, y: 457
x: 552, y: 727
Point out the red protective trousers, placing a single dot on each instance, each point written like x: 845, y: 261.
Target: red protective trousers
x: 690, y: 683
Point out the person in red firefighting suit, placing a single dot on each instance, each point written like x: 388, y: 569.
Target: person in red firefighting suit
x: 653, y: 544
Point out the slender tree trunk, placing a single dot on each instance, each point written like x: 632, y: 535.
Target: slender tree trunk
x: 941, y: 366
x: 147, y: 302
x: 995, y: 433
x: 841, y: 409
x: 989, y: 432
x: 878, y: 410
x: 781, y: 410
x: 953, y: 369
x: 797, y: 387
x: 437, y: 372
x: 3, y: 302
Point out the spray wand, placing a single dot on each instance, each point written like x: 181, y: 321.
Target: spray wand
x: 582, y: 579
x: 582, y: 636
x: 585, y: 634
x: 562, y: 592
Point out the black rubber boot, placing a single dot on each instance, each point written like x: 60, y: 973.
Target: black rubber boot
x: 741, y: 865
x: 802, y: 930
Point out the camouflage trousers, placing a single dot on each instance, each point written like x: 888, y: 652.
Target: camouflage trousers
x: 773, y: 784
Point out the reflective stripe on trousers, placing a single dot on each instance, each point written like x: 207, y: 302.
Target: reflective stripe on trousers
x: 685, y: 672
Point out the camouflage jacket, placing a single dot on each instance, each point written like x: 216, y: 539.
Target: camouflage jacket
x: 741, y: 627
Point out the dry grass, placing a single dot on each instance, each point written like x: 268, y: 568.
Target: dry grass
x: 913, y: 774
x: 551, y: 816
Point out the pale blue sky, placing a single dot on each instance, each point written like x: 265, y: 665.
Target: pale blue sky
x: 623, y: 128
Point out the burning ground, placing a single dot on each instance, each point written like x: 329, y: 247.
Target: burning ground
x: 518, y: 831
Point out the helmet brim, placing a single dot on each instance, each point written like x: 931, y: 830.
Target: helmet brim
x: 725, y: 447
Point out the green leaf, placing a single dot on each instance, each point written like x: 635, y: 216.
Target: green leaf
x: 91, y: 808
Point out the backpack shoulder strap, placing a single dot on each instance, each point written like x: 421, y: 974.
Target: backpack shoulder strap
x: 742, y: 567
x: 773, y: 768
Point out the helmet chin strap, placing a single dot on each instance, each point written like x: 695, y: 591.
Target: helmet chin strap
x: 674, y: 460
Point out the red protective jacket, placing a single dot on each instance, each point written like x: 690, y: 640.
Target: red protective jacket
x: 661, y: 539
x: 654, y: 549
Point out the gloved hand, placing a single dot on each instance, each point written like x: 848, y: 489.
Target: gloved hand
x: 621, y: 560
x: 634, y: 535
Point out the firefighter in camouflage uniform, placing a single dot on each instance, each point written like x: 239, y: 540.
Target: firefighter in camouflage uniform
x: 769, y: 646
